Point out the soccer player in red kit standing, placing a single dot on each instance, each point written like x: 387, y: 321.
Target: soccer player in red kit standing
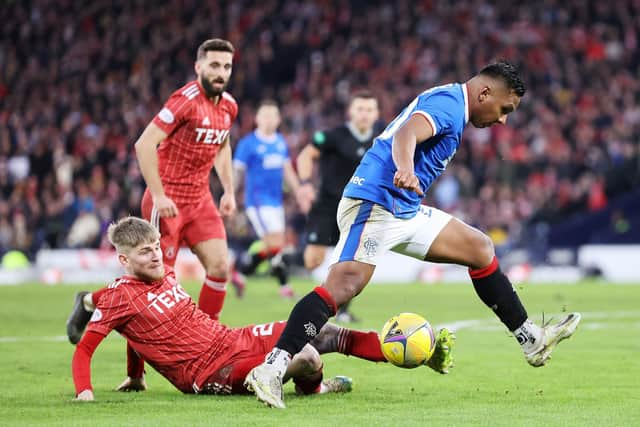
x: 176, y: 152
x: 195, y: 353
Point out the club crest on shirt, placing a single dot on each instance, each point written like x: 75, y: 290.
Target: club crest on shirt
x: 96, y: 316
x: 170, y: 252
x: 166, y: 116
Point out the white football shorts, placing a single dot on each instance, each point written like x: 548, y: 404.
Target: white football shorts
x: 266, y: 219
x: 367, y: 230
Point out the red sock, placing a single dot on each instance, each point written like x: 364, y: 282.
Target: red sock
x: 309, y: 384
x: 212, y: 294
x: 365, y: 345
x: 95, y: 295
x: 273, y: 252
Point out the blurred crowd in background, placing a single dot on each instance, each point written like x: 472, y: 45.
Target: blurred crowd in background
x: 79, y: 80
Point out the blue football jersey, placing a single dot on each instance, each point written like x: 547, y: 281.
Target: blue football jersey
x: 263, y: 162
x: 446, y: 108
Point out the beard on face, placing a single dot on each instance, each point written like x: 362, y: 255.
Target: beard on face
x: 209, y: 89
x: 149, y: 276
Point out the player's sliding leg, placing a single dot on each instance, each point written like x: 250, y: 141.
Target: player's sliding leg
x: 83, y: 308
x: 461, y: 244
x: 309, y: 315
x: 333, y: 338
x: 306, y: 371
x: 213, y: 255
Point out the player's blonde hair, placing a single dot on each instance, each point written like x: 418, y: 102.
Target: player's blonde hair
x: 130, y: 232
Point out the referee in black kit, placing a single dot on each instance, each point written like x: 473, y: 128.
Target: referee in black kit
x: 339, y: 151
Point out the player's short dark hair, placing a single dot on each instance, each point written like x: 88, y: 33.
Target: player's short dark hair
x: 362, y: 94
x: 214, y: 45
x: 508, y: 73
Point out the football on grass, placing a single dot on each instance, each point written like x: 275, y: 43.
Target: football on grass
x: 407, y: 340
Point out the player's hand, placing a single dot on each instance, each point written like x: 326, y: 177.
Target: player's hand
x: 227, y: 204
x: 132, y: 384
x: 305, y: 197
x: 85, y: 396
x: 165, y: 206
x: 407, y: 181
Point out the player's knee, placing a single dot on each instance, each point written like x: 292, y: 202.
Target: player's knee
x: 485, y: 252
x: 309, y: 361
x: 311, y: 261
x: 345, y: 281
x: 273, y: 240
x: 218, y: 268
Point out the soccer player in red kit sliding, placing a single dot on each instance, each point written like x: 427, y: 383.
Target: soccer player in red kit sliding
x: 195, y: 353
x: 176, y: 152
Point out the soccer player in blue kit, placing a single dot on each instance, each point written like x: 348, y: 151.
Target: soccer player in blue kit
x: 263, y: 157
x: 381, y: 210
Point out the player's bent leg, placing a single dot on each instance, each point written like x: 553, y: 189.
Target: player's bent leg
x: 303, y: 364
x: 465, y: 245
x: 347, y: 279
x: 214, y: 256
x: 350, y: 342
x: 78, y: 318
x: 314, y: 256
x: 459, y: 243
x: 274, y: 242
x: 306, y: 371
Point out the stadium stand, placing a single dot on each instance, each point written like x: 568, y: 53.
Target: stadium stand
x: 80, y: 79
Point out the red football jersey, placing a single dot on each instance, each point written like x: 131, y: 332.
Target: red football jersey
x: 165, y: 328
x: 196, y: 126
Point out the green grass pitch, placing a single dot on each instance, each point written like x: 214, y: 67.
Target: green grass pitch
x: 593, y: 379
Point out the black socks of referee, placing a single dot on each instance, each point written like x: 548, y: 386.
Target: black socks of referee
x: 496, y: 291
x: 308, y: 316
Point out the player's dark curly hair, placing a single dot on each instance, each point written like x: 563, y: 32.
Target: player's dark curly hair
x: 508, y: 73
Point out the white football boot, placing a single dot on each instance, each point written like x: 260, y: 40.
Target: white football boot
x: 551, y: 336
x: 266, y: 382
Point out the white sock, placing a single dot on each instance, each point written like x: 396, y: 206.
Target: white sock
x: 87, y: 302
x: 529, y: 336
x: 278, y: 358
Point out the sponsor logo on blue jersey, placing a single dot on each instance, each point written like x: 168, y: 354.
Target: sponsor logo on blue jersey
x: 263, y: 162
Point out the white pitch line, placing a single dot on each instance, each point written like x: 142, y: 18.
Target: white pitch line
x: 487, y: 324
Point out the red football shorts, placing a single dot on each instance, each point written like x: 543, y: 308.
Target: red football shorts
x: 194, y: 223
x: 247, y: 352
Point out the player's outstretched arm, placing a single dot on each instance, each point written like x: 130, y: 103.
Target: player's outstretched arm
x: 147, y: 155
x: 416, y: 130
x: 81, y: 365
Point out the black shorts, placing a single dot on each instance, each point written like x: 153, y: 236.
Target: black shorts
x: 322, y: 228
